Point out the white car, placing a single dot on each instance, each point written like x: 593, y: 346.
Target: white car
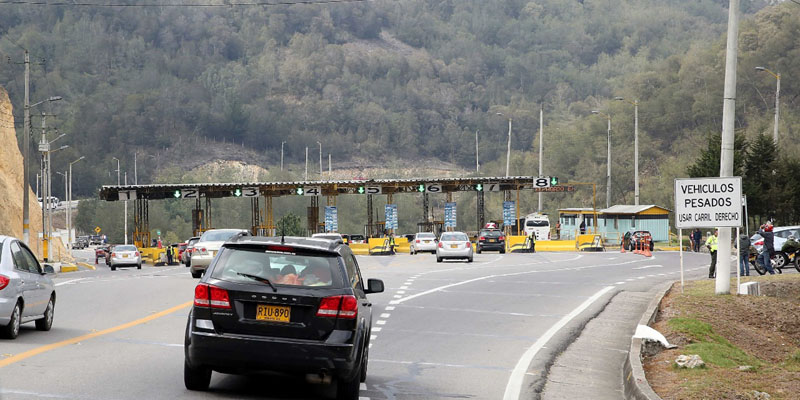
x: 336, y: 237
x: 424, y: 241
x: 781, y: 236
x: 123, y: 255
x: 454, y: 245
x: 207, y: 247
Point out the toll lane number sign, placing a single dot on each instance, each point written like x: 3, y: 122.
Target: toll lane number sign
x: 708, y: 202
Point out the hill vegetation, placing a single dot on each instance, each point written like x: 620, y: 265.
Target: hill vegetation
x: 409, y: 80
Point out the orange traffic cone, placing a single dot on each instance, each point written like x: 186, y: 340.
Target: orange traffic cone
x: 622, y: 247
x: 647, y: 249
x: 636, y: 248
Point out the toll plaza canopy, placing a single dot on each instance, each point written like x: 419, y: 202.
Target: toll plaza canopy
x: 327, y: 188
x: 262, y: 193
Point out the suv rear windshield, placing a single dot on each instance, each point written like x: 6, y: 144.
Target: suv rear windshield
x: 217, y: 236
x: 307, y: 270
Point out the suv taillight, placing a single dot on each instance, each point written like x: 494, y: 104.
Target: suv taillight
x: 483, y: 238
x: 4, y: 280
x: 206, y: 295
x: 417, y: 240
x: 345, y: 306
x: 501, y: 238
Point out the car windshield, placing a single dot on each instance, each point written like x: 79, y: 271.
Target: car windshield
x: 217, y: 236
x: 192, y: 241
x: 426, y: 236
x: 125, y: 248
x: 452, y: 237
x: 249, y: 264
x: 356, y: 237
x: 537, y: 223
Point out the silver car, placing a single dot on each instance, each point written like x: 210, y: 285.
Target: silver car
x: 186, y: 257
x: 124, y: 255
x: 454, y: 245
x: 423, y: 241
x: 26, y: 293
x: 207, y: 247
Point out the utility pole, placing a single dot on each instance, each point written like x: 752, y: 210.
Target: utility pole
x: 508, y: 152
x: 777, y: 109
x: 26, y: 218
x: 135, y: 173
x: 305, y: 176
x: 722, y: 284
x: 45, y: 147
x: 477, y: 163
x: 329, y: 166
x: 541, y: 136
x: 636, y: 152
x: 126, y: 211
x: 71, y: 239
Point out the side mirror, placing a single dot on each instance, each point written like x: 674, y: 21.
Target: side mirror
x: 48, y: 269
x: 374, y: 286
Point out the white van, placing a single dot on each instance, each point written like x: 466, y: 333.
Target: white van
x: 538, y: 224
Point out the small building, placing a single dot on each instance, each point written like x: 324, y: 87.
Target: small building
x: 614, y: 221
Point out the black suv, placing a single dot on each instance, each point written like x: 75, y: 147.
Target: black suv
x: 290, y: 305
x: 490, y: 239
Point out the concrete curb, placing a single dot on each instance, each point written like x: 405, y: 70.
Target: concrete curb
x: 634, y: 383
x: 87, y: 265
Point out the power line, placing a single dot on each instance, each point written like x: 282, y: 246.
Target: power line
x: 175, y: 5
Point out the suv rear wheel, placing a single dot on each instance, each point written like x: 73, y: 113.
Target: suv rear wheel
x: 349, y: 390
x: 196, y: 378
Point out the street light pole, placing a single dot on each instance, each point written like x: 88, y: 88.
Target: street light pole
x: 477, y: 163
x: 115, y: 158
x: 320, y: 159
x: 282, y: 143
x: 508, y: 151
x: 305, y: 176
x: 541, y: 146
x: 126, y: 211
x: 608, y: 161
x: 777, y: 102
x: 69, y: 224
x: 635, y: 148
x: 26, y: 218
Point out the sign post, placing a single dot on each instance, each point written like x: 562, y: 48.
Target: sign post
x: 710, y: 203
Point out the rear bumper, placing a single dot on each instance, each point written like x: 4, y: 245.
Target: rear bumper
x: 125, y: 261
x: 492, y: 246
x: 454, y: 253
x: 424, y: 247
x: 229, y: 353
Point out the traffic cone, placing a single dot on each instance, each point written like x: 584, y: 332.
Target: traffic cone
x: 647, y: 249
x: 622, y: 247
x: 636, y: 248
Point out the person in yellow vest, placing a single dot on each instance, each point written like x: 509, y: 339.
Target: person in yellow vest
x: 711, y: 243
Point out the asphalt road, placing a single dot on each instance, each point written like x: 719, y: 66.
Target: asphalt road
x: 440, y: 331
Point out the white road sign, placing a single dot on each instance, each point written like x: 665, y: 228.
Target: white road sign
x: 708, y: 202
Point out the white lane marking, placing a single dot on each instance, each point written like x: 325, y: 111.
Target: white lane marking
x: 380, y: 322
x: 641, y: 277
x: 517, y: 378
x: 397, y: 296
x: 650, y: 266
x: 389, y: 308
x: 372, y: 337
x: 440, y: 288
x: 69, y: 281
x: 629, y: 280
x: 401, y: 292
x: 386, y: 315
x: 403, y: 287
x: 619, y: 283
x: 376, y: 329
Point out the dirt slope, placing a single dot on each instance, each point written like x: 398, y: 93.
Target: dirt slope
x: 11, y: 184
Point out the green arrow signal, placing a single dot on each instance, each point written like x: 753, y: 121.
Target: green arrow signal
x: 479, y: 187
x: 177, y: 194
x: 553, y: 180
x: 299, y: 191
x: 421, y: 188
x: 361, y: 190
x: 237, y: 192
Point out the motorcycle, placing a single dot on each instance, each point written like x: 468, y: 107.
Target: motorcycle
x: 789, y: 254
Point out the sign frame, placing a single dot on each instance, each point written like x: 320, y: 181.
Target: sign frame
x: 721, y: 207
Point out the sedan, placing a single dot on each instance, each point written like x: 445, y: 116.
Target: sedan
x: 27, y: 294
x: 423, y: 241
x: 124, y: 255
x: 454, y: 245
x: 186, y: 256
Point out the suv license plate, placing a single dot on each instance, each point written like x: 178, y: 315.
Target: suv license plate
x: 273, y: 313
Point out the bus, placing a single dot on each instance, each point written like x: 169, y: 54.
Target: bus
x: 538, y: 224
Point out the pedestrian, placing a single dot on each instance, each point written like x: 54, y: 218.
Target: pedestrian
x: 744, y: 255
x: 583, y: 226
x: 530, y: 243
x: 558, y: 230
x: 768, y: 249
x: 712, y: 242
x: 698, y: 238
x: 169, y: 255
x: 691, y: 241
